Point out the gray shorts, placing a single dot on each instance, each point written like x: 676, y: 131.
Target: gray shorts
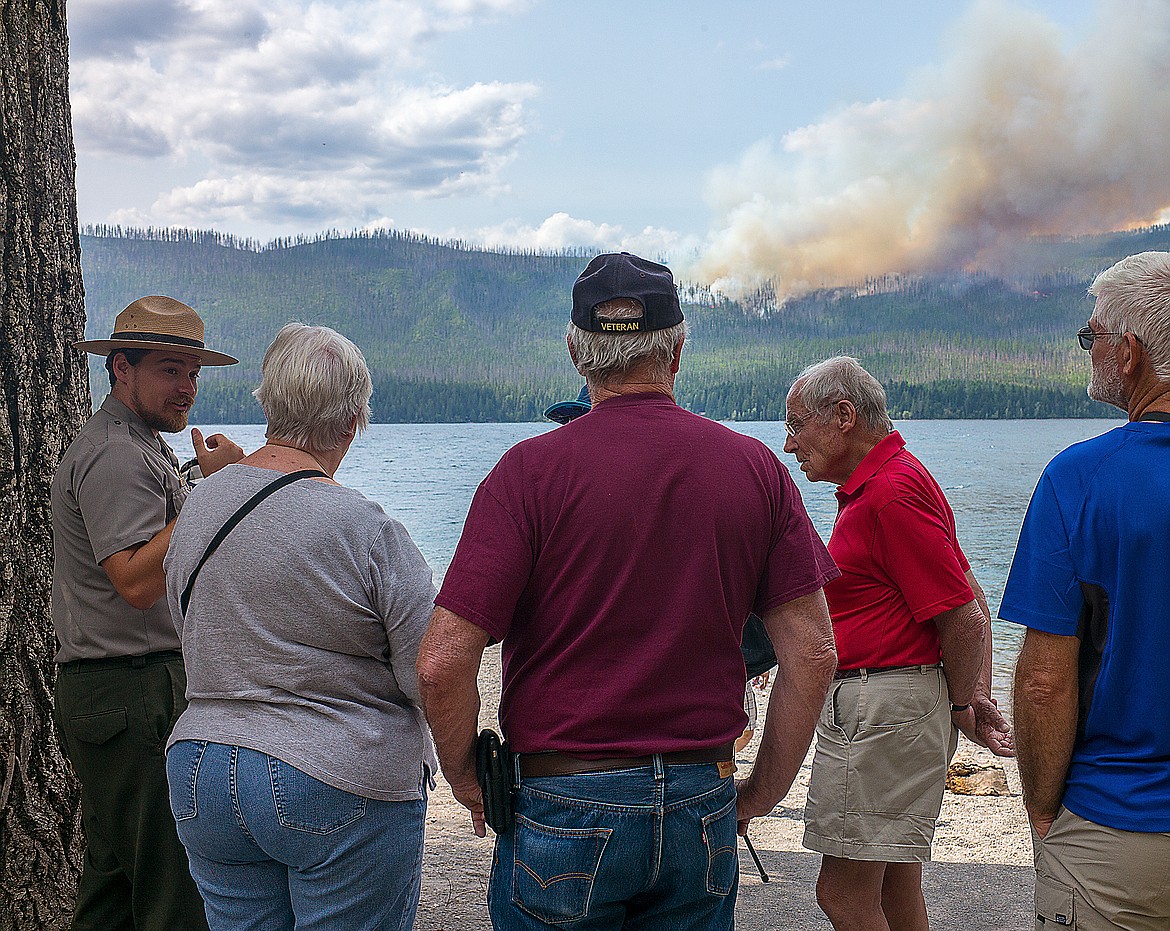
x: 1094, y: 878
x: 883, y: 744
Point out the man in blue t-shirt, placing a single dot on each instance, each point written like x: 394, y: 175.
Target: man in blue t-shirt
x: 1092, y: 692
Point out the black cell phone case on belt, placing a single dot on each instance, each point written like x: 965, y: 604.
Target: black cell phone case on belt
x: 493, y: 771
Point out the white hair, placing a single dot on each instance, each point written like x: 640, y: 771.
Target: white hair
x: 1133, y: 296
x: 602, y: 357
x: 314, y: 383
x: 842, y: 378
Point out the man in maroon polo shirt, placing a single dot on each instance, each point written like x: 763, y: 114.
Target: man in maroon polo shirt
x: 616, y: 559
x: 913, y: 641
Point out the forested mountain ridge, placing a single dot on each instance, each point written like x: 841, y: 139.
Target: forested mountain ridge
x: 453, y: 333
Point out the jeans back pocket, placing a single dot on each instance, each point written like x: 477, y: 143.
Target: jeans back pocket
x: 183, y: 761
x: 719, y: 836
x: 554, y: 869
x: 310, y: 805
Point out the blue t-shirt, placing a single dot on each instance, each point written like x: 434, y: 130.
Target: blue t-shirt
x: 1095, y: 550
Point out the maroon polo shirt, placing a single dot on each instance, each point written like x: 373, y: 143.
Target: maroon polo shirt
x: 616, y: 558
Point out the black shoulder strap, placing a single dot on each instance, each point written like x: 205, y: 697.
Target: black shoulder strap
x: 236, y: 518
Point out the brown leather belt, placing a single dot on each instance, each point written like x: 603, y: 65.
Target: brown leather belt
x: 534, y: 765
x: 874, y: 670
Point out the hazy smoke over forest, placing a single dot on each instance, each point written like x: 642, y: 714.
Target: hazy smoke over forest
x: 1014, y: 134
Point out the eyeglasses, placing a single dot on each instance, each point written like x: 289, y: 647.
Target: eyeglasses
x: 793, y: 427
x: 1085, y: 337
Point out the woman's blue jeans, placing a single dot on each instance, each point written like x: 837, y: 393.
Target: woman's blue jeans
x: 651, y: 848
x: 272, y: 848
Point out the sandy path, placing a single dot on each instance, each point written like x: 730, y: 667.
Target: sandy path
x: 971, y: 829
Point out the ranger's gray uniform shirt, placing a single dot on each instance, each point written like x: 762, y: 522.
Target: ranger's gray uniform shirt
x: 116, y: 487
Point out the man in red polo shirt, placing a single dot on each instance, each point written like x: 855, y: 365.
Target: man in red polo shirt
x: 913, y: 640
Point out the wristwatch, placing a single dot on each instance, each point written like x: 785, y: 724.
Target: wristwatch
x: 958, y: 709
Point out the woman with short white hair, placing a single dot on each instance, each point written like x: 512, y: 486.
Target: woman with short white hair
x: 298, y: 773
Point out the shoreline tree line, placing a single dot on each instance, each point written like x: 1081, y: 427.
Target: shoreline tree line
x: 454, y: 333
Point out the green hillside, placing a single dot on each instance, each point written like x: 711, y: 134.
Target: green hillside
x: 457, y: 334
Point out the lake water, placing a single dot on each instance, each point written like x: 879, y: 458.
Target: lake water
x: 425, y: 475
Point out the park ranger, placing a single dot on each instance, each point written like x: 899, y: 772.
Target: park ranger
x: 121, y: 685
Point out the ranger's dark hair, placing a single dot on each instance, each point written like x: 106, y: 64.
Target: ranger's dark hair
x: 133, y: 356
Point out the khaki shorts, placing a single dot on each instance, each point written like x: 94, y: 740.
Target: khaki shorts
x: 883, y: 744
x: 1092, y: 878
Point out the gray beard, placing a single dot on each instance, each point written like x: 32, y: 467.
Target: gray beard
x: 1105, y: 386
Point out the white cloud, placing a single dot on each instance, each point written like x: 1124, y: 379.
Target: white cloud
x: 117, y: 28
x: 301, y: 109
x: 774, y: 64
x: 562, y: 231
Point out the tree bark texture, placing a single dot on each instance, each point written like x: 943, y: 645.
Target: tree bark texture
x: 44, y: 399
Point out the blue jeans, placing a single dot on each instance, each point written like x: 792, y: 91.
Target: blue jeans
x: 651, y: 847
x: 272, y: 848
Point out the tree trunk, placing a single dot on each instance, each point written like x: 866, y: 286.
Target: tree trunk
x: 44, y: 399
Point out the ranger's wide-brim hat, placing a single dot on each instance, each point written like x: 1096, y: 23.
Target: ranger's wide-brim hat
x: 158, y: 322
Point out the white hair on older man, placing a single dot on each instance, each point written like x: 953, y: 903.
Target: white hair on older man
x: 314, y: 385
x: 842, y: 378
x: 602, y: 357
x: 1133, y: 296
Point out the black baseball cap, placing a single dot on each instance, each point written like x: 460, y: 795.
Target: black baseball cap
x: 620, y: 274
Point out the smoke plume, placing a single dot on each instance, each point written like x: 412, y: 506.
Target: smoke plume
x: 1013, y: 135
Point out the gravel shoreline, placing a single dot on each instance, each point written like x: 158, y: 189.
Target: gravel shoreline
x: 986, y: 830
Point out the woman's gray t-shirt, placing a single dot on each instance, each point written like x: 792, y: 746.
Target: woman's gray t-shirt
x: 302, y: 632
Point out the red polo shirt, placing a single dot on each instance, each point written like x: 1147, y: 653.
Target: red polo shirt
x: 901, y: 565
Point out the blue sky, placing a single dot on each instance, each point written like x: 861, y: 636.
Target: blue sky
x: 680, y: 129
